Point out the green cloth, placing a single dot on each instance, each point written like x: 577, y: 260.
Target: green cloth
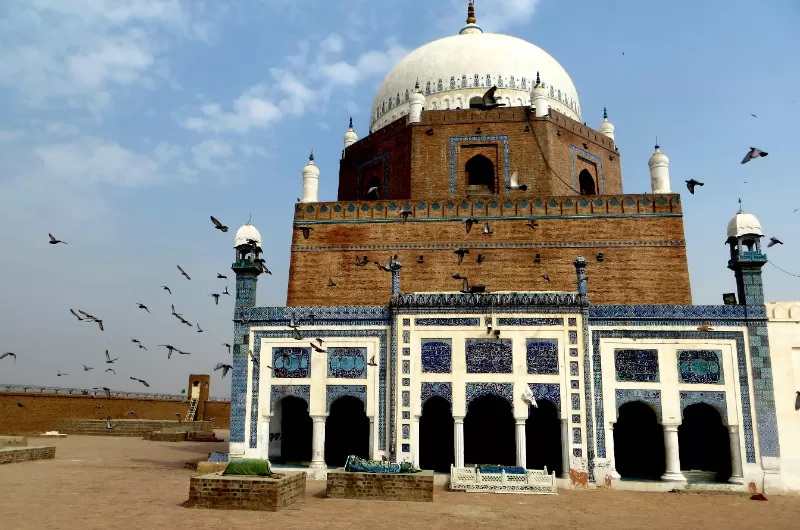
x: 251, y: 467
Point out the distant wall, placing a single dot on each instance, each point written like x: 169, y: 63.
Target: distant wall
x: 43, y: 411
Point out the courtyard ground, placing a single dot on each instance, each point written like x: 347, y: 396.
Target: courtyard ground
x: 108, y: 482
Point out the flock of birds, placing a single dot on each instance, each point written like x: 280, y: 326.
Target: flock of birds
x: 84, y: 316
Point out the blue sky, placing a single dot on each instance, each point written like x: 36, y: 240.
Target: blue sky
x: 124, y: 124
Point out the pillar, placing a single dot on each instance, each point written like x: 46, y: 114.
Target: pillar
x: 564, y: 448
x: 610, y: 452
x: 458, y: 439
x: 371, y: 453
x: 415, y: 441
x: 318, y: 442
x: 671, y: 448
x: 263, y: 437
x: 522, y: 456
x: 737, y: 477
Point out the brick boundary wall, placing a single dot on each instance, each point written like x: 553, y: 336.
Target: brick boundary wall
x: 13, y: 441
x: 246, y: 493
x: 125, y: 427
x: 379, y: 486
x: 13, y: 455
x: 161, y: 436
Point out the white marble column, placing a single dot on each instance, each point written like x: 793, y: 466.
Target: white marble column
x: 522, y: 446
x: 672, y: 450
x: 612, y: 459
x: 564, y: 448
x: 318, y: 442
x: 415, y: 441
x: 458, y: 440
x: 263, y: 437
x: 736, y: 456
x: 371, y: 453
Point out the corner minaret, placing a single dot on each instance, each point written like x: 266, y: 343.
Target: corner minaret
x: 744, y: 239
x: 539, y: 98
x: 607, y: 128
x: 472, y: 23
x: 310, y: 181
x: 659, y: 171
x: 350, y: 137
x: 247, y: 265
x: 416, y: 105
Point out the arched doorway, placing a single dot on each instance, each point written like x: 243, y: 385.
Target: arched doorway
x: 586, y: 183
x: 543, y: 438
x: 704, y: 442
x: 296, y: 428
x: 436, y: 447
x: 346, y: 431
x: 480, y: 174
x: 372, y: 192
x: 489, y: 432
x: 639, y: 442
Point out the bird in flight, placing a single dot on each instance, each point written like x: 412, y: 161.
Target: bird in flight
x: 60, y: 373
x: 224, y: 367
x: 141, y: 346
x: 184, y: 273
x: 76, y: 314
x: 111, y: 370
x: 169, y: 348
x: 109, y: 425
x: 262, y: 265
x: 219, y: 226
x: 468, y: 222
x: 753, y: 115
x: 317, y: 348
x: 9, y: 354
x: 216, y: 297
x: 774, y: 241
x: 20, y: 404
x: 228, y: 346
x: 372, y: 361
x: 142, y: 306
x: 142, y: 381
x: 199, y: 329
x: 752, y: 154
x: 361, y: 261
x: 546, y: 277
x: 166, y: 289
x: 514, y: 183
x: 487, y: 230
x: 221, y: 276
x: 226, y: 291
x: 54, y: 241
x: 532, y: 224
x: 331, y: 283
x: 87, y: 368
x: 306, y: 230
x: 181, y: 352
x: 405, y: 213
x: 460, y: 252
x: 109, y: 360
x: 690, y: 185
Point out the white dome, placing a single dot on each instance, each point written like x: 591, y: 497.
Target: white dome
x: 658, y: 158
x: 246, y: 232
x: 454, y: 69
x: 744, y: 224
x: 310, y: 169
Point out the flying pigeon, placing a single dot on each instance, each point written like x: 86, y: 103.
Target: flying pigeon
x: 131, y: 412
x: 532, y: 224
x: 468, y: 222
x: 546, y: 276
x: 141, y: 346
x: 59, y: 374
x: 487, y: 231
x: 690, y: 184
x: 100, y: 323
x: 317, y: 348
x: 87, y: 368
x: 76, y: 314
x: 460, y: 252
x: 142, y: 306
x: 490, y: 101
x: 754, y: 153
x: 481, y: 258
x: 331, y: 283
x: 228, y: 346
x: 753, y: 115
x: 219, y: 226
x: 296, y: 334
x: 361, y: 261
x: 111, y: 370
x: 774, y: 241
x: 105, y: 389
x: 405, y: 213
x: 306, y: 230
x: 184, y: 273
x: 514, y: 182
x: 373, y: 363
x: 226, y: 291
x: 373, y: 193
x: 457, y: 276
x: 166, y: 289
x: 9, y: 354
x: 109, y: 360
x: 224, y: 367
x: 221, y: 276
x: 797, y: 402
x: 109, y: 425
x: 199, y: 329
x: 181, y: 352
x: 169, y: 348
x: 216, y: 297
x: 54, y: 241
x: 262, y: 265
x: 142, y: 381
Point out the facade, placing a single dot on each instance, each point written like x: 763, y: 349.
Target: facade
x: 579, y: 351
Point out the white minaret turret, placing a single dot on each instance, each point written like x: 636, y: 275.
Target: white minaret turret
x: 607, y: 128
x: 539, y: 98
x: 416, y: 105
x: 350, y: 137
x: 310, y: 181
x: 659, y: 172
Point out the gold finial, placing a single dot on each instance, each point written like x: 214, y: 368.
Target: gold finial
x: 471, y: 12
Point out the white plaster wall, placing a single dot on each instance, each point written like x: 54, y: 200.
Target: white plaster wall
x: 784, y: 347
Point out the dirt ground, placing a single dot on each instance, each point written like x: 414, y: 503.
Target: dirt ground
x: 98, y: 482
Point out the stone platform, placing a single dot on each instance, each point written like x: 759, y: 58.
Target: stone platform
x: 129, y: 427
x: 381, y: 486
x: 13, y: 455
x: 165, y: 436
x: 240, y: 492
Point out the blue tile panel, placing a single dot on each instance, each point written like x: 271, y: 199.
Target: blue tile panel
x: 475, y: 390
x: 396, y: 281
x: 406, y: 398
x: 406, y: 367
x: 577, y: 452
x: 246, y: 290
x: 573, y: 368
x: 688, y: 313
x: 313, y: 315
x: 541, y: 356
x: 406, y: 381
x: 238, y: 397
x: 406, y: 321
x: 576, y: 418
x: 700, y: 367
x: 527, y: 302
x: 406, y: 415
x: 715, y: 399
x: 447, y: 321
x: 764, y: 391
x: 278, y: 392
x: 591, y: 159
x: 573, y: 352
x: 406, y: 351
x: 576, y: 435
x: 334, y: 392
x: 651, y: 397
x: 291, y: 362
x: 573, y: 337
x: 347, y: 363
x: 406, y: 429
x: 639, y: 366
x: 255, y: 376
x: 488, y: 356
x: 575, y: 384
x: 572, y: 321
x: 429, y: 389
x: 455, y: 140
x: 530, y: 321
x: 738, y: 337
x: 406, y: 448
x: 436, y: 355
x: 547, y: 391
x: 406, y: 337
x: 576, y: 401
x: 218, y: 457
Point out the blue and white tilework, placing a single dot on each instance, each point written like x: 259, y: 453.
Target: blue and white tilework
x: 573, y: 337
x: 406, y: 381
x: 444, y: 390
x: 406, y: 351
x: 700, y: 367
x: 406, y: 367
x: 291, y: 363
x: 547, y: 391
x: 576, y: 401
x: 573, y: 352
x: 530, y: 321
x: 406, y: 398
x: 577, y: 452
x: 218, y: 457
x: 488, y: 356
x: 576, y: 418
x: 406, y: 431
x: 573, y: 368
x: 447, y: 321
x: 334, y: 392
x: 278, y: 392
x: 436, y: 355
x: 572, y: 321
x: 541, y: 356
x: 238, y: 397
x: 575, y: 384
x: 636, y: 365
x: 254, y: 380
x: 347, y: 363
x: 406, y: 415
x: 576, y: 435
x: 406, y: 321
x: 406, y: 448
x: 406, y: 336
x: 715, y: 399
x: 476, y: 390
x: 651, y: 397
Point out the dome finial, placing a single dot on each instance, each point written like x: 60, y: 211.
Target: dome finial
x: 311, y: 156
x: 657, y: 146
x: 538, y: 81
x: 250, y: 215
x: 740, y: 205
x: 351, y: 122
x: 471, y: 12
x: 605, y: 113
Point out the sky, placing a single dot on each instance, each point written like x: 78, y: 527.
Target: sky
x: 124, y: 124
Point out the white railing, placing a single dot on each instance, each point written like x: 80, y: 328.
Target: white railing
x: 533, y: 481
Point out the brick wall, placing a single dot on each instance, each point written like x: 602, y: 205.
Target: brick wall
x: 13, y: 441
x: 246, y: 493
x: 42, y: 412
x: 13, y: 455
x: 165, y: 436
x: 378, y: 486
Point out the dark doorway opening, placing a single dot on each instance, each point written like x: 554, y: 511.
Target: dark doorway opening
x: 587, y: 183
x: 296, y: 429
x: 480, y: 174
x: 436, y: 447
x: 346, y: 431
x: 373, y: 190
x: 704, y: 442
x: 543, y: 438
x: 489, y: 432
x: 639, y: 442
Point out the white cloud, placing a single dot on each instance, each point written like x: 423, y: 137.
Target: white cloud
x: 61, y: 129
x: 207, y: 151
x: 166, y: 152
x: 10, y: 136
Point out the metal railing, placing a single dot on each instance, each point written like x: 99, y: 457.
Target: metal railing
x: 39, y: 389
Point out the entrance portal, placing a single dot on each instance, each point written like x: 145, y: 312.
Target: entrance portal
x: 295, y: 435
x: 704, y: 441
x: 436, y: 448
x: 489, y: 432
x: 639, y: 442
x: 543, y: 438
x: 346, y: 431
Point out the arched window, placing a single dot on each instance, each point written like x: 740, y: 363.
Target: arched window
x: 586, y: 183
x: 372, y: 192
x: 480, y: 174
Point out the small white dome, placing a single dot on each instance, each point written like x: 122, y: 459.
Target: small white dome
x: 607, y: 127
x: 658, y: 158
x: 744, y: 224
x: 311, y: 169
x: 350, y: 137
x: 246, y: 232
